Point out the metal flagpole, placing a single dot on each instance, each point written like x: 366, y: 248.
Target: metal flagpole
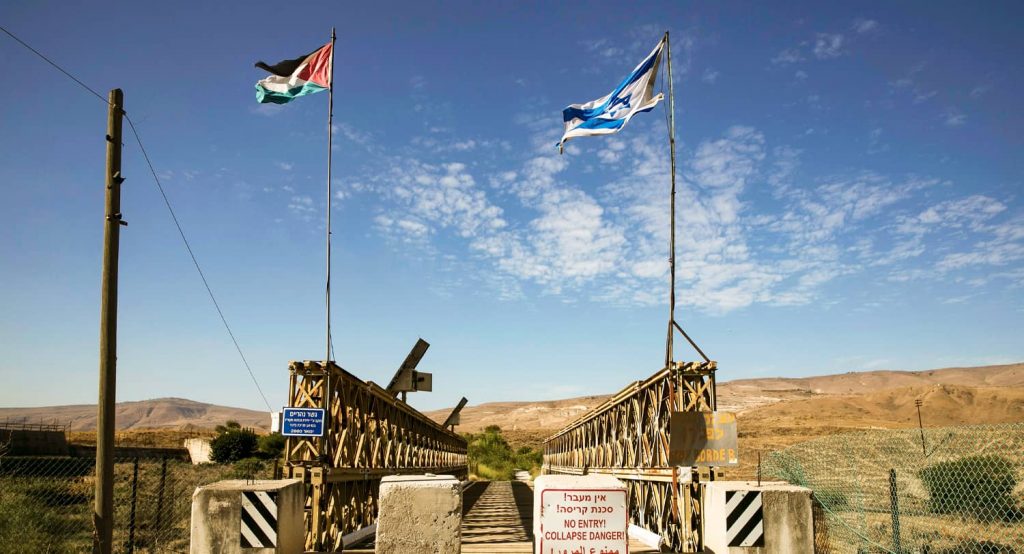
x: 669, y: 352
x: 325, y: 399
x: 330, y: 150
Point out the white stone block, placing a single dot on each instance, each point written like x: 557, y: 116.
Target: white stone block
x: 199, y: 450
x: 225, y: 520
x: 419, y: 513
x: 571, y: 512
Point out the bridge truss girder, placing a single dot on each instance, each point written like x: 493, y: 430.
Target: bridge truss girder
x: 368, y: 433
x: 628, y: 436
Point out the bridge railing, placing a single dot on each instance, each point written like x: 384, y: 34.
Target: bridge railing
x: 628, y: 436
x: 369, y: 433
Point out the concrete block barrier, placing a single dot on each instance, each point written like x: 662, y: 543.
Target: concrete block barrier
x: 254, y: 517
x: 419, y: 514
x: 741, y: 517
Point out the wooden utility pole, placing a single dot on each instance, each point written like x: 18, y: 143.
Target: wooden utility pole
x: 103, y: 510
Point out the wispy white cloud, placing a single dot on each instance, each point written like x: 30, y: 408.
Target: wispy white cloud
x: 788, y: 56
x: 828, y: 45
x: 534, y: 227
x: 302, y: 207
x: 863, y: 25
x: 952, y: 117
x: 710, y: 76
x: 924, y: 96
x: 981, y: 90
x: 876, y: 145
x: 266, y: 110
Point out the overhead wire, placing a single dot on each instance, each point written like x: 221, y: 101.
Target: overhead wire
x: 181, y: 232
x: 167, y: 202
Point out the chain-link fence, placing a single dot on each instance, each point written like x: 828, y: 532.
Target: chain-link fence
x: 938, y: 491
x: 46, y: 503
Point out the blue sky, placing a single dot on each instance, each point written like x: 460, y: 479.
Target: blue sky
x: 849, y: 194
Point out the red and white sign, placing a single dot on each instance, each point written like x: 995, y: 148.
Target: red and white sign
x: 583, y: 521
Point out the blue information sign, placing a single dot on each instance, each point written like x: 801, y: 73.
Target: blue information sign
x: 302, y: 422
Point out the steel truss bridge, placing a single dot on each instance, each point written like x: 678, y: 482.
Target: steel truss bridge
x: 628, y: 436
x: 368, y: 433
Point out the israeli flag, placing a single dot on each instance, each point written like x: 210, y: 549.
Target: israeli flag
x: 609, y: 114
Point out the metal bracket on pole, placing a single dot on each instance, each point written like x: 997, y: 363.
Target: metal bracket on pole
x: 453, y: 418
x: 407, y: 379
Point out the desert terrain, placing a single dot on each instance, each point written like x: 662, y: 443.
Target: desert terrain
x: 774, y: 412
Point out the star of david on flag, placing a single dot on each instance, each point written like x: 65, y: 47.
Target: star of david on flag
x: 610, y: 113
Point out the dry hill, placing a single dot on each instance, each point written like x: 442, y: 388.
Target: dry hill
x: 782, y: 410
x: 160, y: 413
x: 845, y: 400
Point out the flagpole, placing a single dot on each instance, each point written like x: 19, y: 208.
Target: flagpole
x: 669, y: 351
x: 330, y: 152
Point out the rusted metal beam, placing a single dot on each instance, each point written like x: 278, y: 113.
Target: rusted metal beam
x: 369, y: 434
x: 628, y: 436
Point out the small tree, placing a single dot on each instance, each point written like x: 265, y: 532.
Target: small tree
x: 271, y: 445
x: 233, y: 445
x: 976, y: 486
x: 229, y: 425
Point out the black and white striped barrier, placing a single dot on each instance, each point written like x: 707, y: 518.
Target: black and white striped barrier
x: 744, y: 518
x: 259, y: 519
x: 740, y: 516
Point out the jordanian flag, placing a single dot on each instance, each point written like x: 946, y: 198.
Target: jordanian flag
x: 293, y: 78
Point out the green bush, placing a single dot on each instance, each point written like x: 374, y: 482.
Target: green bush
x: 271, y: 445
x: 233, y: 445
x: 247, y: 468
x: 229, y: 425
x: 491, y: 457
x: 976, y: 486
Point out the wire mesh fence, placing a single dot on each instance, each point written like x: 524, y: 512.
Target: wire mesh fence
x: 957, y: 490
x: 46, y: 503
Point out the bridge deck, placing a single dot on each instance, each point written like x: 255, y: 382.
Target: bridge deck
x: 498, y: 519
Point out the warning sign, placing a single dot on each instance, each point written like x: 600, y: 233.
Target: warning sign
x: 703, y: 439
x: 583, y: 521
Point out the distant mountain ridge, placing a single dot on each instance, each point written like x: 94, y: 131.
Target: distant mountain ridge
x: 159, y: 413
x: 987, y: 394
x: 749, y: 395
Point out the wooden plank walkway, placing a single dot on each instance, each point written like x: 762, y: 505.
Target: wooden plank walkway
x: 498, y: 519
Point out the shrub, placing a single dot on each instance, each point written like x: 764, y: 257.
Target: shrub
x: 247, y: 468
x: 491, y: 457
x: 271, y: 445
x: 233, y: 445
x: 977, y: 486
x: 229, y: 425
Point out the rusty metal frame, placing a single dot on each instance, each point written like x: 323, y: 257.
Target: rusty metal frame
x: 628, y: 436
x: 368, y: 434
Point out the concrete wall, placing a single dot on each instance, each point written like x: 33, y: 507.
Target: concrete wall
x: 217, y: 517
x: 143, y: 452
x: 198, y: 450
x: 419, y: 514
x: 788, y: 524
x: 28, y: 442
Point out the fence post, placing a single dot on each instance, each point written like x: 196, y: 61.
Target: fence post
x: 131, y: 513
x: 894, y: 505
x: 157, y: 527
